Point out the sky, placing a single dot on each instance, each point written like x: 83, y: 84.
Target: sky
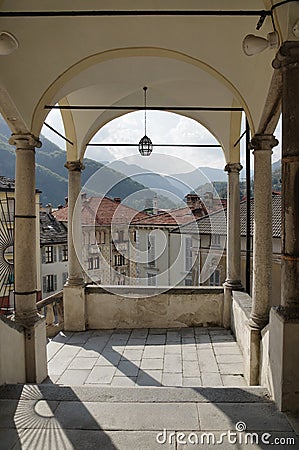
x: 162, y: 127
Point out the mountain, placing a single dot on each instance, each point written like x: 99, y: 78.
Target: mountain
x: 177, y: 185
x: 51, y: 175
x: 149, y: 179
x: 276, y: 165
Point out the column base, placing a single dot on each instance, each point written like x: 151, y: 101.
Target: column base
x: 35, y: 343
x: 284, y: 358
x: 229, y: 287
x: 74, y: 307
x: 252, y: 355
x: 35, y: 352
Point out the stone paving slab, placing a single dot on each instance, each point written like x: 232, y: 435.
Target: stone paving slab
x: 83, y: 439
x: 59, y: 417
x: 257, y: 417
x: 53, y: 392
x: 205, y: 354
x: 126, y: 416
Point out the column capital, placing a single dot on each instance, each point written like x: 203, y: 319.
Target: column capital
x: 263, y: 142
x: 287, y: 54
x: 233, y: 167
x: 24, y: 141
x: 74, y: 166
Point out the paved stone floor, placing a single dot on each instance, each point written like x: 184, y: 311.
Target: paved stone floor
x: 55, y: 417
x: 147, y: 357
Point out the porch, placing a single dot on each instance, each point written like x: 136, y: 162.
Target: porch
x: 189, y: 357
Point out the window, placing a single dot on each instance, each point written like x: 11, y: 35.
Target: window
x: 119, y: 260
x: 151, y: 279
x: 50, y: 283
x: 151, y: 245
x: 49, y: 254
x: 97, y: 262
x: 120, y: 236
x: 63, y: 255
x: 215, y: 240
x: 188, y: 254
x: 90, y: 263
x: 215, y: 278
x: 102, y: 237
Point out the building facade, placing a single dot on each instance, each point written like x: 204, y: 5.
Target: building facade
x: 54, y: 253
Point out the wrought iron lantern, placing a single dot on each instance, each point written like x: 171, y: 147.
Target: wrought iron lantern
x: 145, y: 144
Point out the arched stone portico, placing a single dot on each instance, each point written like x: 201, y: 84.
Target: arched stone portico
x: 230, y: 79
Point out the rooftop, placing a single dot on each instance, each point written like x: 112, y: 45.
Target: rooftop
x: 215, y: 223
x: 102, y: 211
x: 51, y: 230
x: 7, y: 184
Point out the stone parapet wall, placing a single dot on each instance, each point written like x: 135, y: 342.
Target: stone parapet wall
x: 152, y: 307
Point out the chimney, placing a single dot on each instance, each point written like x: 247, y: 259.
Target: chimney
x: 193, y: 200
x: 66, y: 199
x: 83, y: 197
x: 117, y: 199
x: 48, y: 208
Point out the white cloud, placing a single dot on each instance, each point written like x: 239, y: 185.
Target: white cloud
x: 162, y: 128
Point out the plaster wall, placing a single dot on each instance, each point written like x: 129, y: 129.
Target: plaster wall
x: 12, y: 353
x: 127, y: 307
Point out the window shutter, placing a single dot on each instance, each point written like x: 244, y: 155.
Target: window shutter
x: 54, y: 253
x: 44, y: 284
x: 43, y: 255
x: 60, y: 252
x: 54, y: 282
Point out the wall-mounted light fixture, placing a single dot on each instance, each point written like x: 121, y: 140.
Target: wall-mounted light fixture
x: 8, y: 43
x: 145, y: 144
x: 254, y: 44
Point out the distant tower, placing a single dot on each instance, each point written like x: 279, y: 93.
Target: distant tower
x: 155, y: 204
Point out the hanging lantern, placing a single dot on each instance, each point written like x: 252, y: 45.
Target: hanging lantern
x: 145, y: 144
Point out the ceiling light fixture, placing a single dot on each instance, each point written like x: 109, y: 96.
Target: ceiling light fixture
x: 254, y: 44
x: 8, y: 43
x: 145, y: 144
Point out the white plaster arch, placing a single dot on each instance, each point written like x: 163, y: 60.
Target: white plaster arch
x: 67, y: 81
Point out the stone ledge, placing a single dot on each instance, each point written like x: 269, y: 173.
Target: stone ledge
x: 131, y: 395
x: 243, y: 300
x: 154, y: 290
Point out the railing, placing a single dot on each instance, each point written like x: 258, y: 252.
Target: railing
x: 52, y: 308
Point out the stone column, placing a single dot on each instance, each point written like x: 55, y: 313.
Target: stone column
x: 284, y: 319
x: 233, y: 242
x: 74, y: 294
x: 75, y: 276
x: 262, y: 239
x: 262, y: 253
x: 25, y: 263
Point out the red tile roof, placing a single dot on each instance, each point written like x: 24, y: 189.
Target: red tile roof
x: 174, y: 217
x: 102, y: 211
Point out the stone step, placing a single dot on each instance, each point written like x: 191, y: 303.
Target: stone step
x: 50, y: 417
x: 135, y: 395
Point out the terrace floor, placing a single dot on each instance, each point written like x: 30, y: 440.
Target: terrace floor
x: 90, y: 400
x: 187, y: 357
